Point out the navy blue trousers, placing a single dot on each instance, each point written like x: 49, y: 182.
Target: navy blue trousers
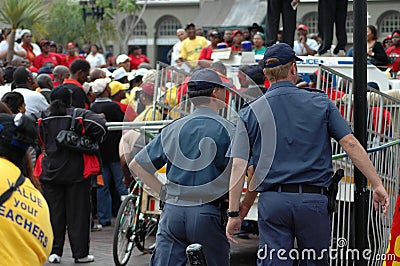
x: 181, y: 226
x: 285, y: 216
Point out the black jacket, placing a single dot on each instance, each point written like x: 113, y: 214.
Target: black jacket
x: 109, y: 147
x: 60, y: 165
x: 380, y: 57
x: 79, y: 97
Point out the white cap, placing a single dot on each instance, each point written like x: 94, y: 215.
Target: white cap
x: 108, y: 73
x: 119, y: 73
x: 122, y: 58
x: 23, y: 32
x: 139, y: 72
x: 86, y: 86
x: 99, y: 85
x: 150, y: 76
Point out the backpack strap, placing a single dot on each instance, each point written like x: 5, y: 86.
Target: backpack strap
x: 7, y: 194
x: 73, y: 121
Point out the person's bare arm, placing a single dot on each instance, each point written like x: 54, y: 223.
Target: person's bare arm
x: 308, y: 49
x: 21, y: 53
x: 235, y: 191
x: 148, y: 178
x: 360, y: 158
x: 3, y: 54
x: 250, y: 195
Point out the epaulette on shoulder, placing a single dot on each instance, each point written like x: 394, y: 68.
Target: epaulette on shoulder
x: 312, y: 90
x: 173, y: 121
x: 250, y: 102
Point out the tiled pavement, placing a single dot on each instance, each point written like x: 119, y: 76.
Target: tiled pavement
x: 101, y: 248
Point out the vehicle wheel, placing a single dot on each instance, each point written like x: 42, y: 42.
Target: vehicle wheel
x: 123, y: 241
x: 145, y: 238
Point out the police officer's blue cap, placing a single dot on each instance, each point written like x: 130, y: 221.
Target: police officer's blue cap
x: 281, y: 51
x: 206, y: 78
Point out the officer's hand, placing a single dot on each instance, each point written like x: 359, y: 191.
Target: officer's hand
x: 381, y: 196
x: 233, y: 226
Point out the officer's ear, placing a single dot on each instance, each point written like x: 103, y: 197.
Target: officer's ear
x: 293, y: 69
x: 214, y: 92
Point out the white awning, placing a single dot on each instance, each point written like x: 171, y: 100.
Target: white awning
x: 245, y: 13
x: 230, y: 13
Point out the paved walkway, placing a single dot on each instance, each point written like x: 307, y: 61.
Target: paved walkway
x: 101, y: 247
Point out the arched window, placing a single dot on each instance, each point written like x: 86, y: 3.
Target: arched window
x: 388, y: 22
x: 168, y: 26
x: 139, y: 30
x: 311, y: 21
x: 350, y: 22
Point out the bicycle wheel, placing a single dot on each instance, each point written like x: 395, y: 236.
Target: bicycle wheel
x: 145, y: 237
x: 123, y: 240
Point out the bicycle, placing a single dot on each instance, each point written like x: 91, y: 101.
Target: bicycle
x: 133, y: 227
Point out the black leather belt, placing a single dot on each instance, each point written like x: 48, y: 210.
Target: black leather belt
x: 300, y: 188
x: 216, y: 202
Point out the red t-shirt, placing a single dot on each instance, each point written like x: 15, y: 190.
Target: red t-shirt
x: 394, y: 57
x: 334, y: 94
x: 205, y: 53
x: 69, y: 59
x: 385, y: 119
x: 130, y: 114
x: 236, y: 49
x: 137, y: 60
x: 41, y: 59
x: 56, y: 84
x: 183, y: 88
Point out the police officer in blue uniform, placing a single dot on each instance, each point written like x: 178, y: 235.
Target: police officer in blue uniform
x: 194, y: 149
x: 287, y: 134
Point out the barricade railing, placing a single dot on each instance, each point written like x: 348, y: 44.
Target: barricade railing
x: 383, y: 147
x: 170, y: 95
x: 343, y: 221
x: 383, y: 131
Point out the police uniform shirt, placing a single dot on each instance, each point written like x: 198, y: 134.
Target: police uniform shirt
x: 299, y: 151
x: 194, y: 149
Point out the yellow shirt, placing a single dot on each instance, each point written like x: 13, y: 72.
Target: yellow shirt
x: 25, y: 229
x: 190, y: 49
x: 147, y: 115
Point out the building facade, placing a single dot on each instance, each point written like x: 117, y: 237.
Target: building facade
x: 156, y: 31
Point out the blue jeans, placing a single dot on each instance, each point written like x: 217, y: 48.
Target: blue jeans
x: 112, y: 172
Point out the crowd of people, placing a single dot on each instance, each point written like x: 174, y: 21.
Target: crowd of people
x: 83, y: 191
x: 193, y: 46
x: 49, y: 54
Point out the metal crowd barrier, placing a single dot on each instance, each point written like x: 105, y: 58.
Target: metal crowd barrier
x: 383, y: 145
x: 383, y: 130
x: 170, y: 96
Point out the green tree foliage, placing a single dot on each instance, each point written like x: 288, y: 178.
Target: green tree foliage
x: 67, y: 24
x: 126, y: 15
x: 22, y: 14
